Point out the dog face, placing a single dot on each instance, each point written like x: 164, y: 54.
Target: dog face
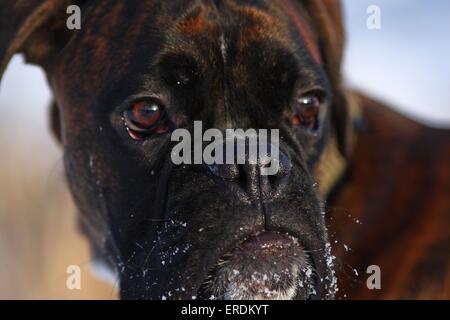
x: 136, y: 71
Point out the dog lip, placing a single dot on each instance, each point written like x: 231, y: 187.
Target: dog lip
x: 268, y: 254
x: 266, y: 241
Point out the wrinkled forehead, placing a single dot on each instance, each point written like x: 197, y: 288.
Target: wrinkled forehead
x: 119, y: 37
x: 237, y: 26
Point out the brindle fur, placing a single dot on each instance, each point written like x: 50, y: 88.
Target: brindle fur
x: 398, y: 187
x: 397, y: 184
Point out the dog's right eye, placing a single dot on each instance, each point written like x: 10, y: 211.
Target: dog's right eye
x: 145, y: 118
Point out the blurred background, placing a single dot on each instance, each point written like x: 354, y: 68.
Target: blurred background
x: 405, y: 64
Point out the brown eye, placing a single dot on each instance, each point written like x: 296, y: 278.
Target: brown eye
x: 306, y: 112
x: 145, y: 118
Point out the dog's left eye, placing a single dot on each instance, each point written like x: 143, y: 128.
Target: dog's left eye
x: 306, y: 111
x: 145, y: 118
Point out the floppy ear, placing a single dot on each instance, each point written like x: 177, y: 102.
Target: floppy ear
x: 36, y: 28
x: 326, y: 17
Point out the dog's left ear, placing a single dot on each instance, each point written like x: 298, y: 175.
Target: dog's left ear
x: 36, y: 28
x: 326, y: 17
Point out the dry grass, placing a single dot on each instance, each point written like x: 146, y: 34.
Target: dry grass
x: 38, y: 235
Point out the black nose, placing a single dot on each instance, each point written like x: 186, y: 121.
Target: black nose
x: 260, y: 176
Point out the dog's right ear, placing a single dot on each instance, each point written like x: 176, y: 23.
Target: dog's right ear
x: 36, y: 28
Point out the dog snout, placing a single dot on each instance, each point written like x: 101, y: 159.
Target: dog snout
x: 266, y: 176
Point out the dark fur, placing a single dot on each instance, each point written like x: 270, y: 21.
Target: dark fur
x: 143, y: 215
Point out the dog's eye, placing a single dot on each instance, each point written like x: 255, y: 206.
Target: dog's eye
x: 306, y: 112
x: 145, y: 118
x: 184, y: 78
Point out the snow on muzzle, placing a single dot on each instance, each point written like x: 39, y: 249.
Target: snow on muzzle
x: 269, y: 266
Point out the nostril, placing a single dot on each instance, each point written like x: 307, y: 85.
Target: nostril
x: 225, y: 171
x: 279, y: 179
x: 285, y: 165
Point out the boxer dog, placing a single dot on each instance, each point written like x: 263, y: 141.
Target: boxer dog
x: 138, y: 70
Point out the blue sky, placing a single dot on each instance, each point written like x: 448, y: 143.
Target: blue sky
x: 407, y: 62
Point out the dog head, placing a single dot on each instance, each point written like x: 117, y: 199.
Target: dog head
x: 136, y: 71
